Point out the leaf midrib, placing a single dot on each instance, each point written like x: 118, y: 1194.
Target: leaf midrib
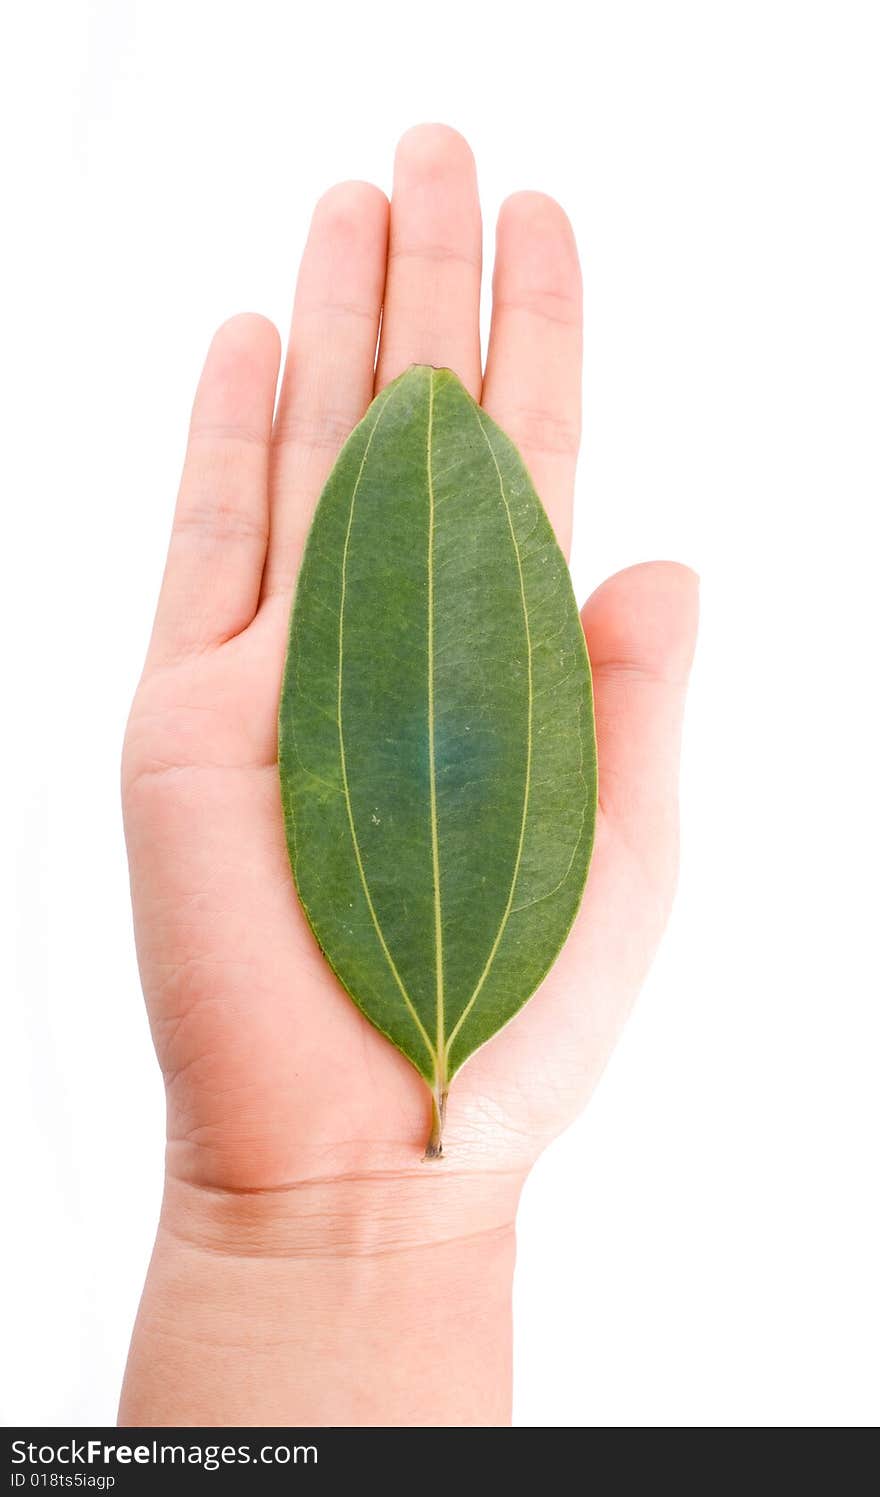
x: 440, y: 1052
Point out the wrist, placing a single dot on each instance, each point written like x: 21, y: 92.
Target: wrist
x: 374, y: 1213
x: 374, y: 1299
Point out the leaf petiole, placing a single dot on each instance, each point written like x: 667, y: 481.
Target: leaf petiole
x: 434, y: 1146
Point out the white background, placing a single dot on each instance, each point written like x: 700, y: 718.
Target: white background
x: 702, y: 1248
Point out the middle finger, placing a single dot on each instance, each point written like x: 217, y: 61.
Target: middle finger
x: 431, y: 312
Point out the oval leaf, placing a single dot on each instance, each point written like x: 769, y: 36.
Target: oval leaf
x: 436, y: 740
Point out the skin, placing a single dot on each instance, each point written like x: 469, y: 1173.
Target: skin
x: 309, y: 1267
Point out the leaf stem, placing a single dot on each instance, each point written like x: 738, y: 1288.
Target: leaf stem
x: 434, y: 1146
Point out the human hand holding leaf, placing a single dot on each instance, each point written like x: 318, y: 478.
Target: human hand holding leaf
x: 272, y: 1074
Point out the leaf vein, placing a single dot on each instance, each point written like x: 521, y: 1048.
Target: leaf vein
x: 432, y: 763
x: 342, y: 756
x: 527, y: 785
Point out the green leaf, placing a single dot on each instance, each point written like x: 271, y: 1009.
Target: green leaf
x: 436, y: 744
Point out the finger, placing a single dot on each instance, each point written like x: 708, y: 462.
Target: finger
x: 328, y: 375
x: 218, y: 539
x: 641, y: 629
x: 432, y: 294
x: 532, y: 386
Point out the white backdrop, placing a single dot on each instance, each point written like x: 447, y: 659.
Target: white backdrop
x: 701, y: 1249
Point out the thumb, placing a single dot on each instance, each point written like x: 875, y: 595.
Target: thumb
x: 641, y: 629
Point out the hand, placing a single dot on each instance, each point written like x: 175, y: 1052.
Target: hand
x: 273, y: 1077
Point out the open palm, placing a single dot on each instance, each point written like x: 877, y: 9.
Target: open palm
x: 272, y: 1074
